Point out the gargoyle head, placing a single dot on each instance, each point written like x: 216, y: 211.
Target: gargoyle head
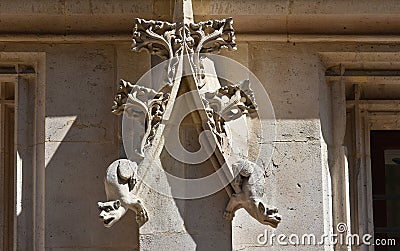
x: 110, y: 212
x: 268, y: 216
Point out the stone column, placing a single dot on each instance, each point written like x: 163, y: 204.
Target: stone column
x: 338, y: 164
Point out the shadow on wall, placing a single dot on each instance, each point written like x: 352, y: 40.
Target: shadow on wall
x: 203, y: 217
x: 80, y: 144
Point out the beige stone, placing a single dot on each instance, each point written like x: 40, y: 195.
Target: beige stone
x: 80, y: 50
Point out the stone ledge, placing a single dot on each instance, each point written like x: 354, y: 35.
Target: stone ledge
x: 254, y: 16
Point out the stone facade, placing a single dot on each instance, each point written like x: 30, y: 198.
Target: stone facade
x: 67, y: 135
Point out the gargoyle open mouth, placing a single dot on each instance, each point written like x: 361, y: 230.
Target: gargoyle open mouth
x: 106, y: 222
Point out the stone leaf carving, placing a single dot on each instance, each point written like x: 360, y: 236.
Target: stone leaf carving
x: 210, y: 36
x: 157, y: 37
x: 145, y: 106
x: 249, y: 187
x: 229, y: 103
x: 169, y: 40
x: 165, y: 40
x: 119, y: 183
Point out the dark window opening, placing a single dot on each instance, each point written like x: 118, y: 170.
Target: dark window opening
x: 385, y: 165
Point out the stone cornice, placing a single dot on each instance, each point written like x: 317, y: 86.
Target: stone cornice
x: 329, y: 17
x: 240, y: 37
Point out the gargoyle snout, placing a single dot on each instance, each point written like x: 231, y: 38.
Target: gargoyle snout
x: 102, y: 215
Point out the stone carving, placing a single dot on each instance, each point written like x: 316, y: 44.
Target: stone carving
x: 120, y: 182
x: 129, y: 94
x: 157, y: 37
x: 228, y: 103
x: 163, y: 39
x: 249, y: 187
x: 169, y: 40
x: 145, y: 106
x: 209, y: 36
x: 212, y: 35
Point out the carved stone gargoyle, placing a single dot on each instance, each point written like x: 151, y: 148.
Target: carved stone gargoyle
x: 119, y: 183
x: 250, y: 186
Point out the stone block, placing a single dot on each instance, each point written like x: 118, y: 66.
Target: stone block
x: 131, y: 65
x: 80, y: 82
x: 291, y: 77
x: 73, y: 187
x: 169, y: 241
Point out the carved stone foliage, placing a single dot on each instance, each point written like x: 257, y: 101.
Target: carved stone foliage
x: 142, y: 104
x: 157, y: 37
x: 163, y: 39
x: 170, y: 40
x: 210, y: 36
x: 229, y: 103
x: 249, y: 187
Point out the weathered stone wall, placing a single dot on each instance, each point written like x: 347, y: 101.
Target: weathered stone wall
x: 81, y: 138
x: 291, y: 76
x: 81, y: 80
